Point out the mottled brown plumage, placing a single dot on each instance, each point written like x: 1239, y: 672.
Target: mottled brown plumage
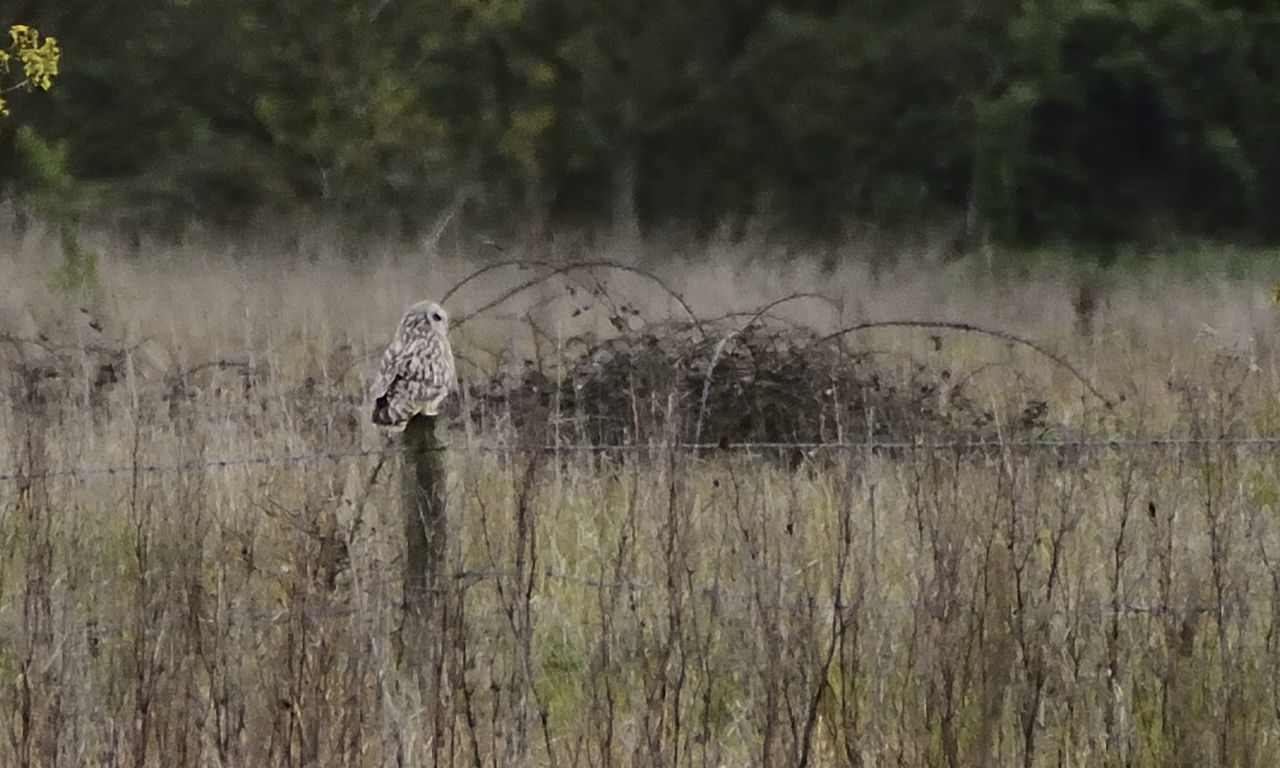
x: 417, y: 368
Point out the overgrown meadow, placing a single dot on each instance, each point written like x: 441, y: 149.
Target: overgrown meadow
x: 691, y: 522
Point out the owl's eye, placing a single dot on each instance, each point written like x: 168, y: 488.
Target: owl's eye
x: 436, y: 316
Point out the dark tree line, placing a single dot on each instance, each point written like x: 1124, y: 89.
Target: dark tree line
x: 1027, y: 120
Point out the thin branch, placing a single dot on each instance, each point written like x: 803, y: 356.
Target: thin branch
x: 561, y: 269
x: 25, y: 83
x: 970, y: 328
x: 460, y: 199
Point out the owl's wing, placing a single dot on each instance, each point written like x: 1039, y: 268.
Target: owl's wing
x: 387, y: 372
x: 390, y: 380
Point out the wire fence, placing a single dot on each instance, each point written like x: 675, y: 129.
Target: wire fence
x: 344, y: 608
x: 871, y: 447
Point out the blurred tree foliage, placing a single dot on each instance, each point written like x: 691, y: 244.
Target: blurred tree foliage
x: 1028, y: 120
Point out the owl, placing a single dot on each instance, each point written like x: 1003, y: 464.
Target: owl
x: 417, y: 369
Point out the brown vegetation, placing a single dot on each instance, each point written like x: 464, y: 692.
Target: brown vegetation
x: 199, y: 564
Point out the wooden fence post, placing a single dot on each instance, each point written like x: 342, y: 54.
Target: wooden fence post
x: 423, y: 502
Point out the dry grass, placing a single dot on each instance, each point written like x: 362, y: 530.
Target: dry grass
x: 1100, y: 606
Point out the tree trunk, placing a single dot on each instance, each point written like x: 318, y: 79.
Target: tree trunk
x: 626, y: 216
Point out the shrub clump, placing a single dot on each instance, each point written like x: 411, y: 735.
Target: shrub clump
x: 758, y: 384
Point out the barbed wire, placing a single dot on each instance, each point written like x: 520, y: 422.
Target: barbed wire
x: 1047, y: 445
x: 125, y: 470
x: 872, y: 446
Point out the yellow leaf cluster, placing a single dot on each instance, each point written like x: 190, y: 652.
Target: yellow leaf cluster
x: 39, y: 60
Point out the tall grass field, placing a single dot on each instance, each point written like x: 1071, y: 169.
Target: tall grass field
x: 1042, y: 532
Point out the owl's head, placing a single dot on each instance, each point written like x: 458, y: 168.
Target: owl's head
x: 426, y: 316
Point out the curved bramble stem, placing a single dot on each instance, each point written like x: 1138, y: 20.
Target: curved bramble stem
x: 556, y: 270
x: 970, y: 328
